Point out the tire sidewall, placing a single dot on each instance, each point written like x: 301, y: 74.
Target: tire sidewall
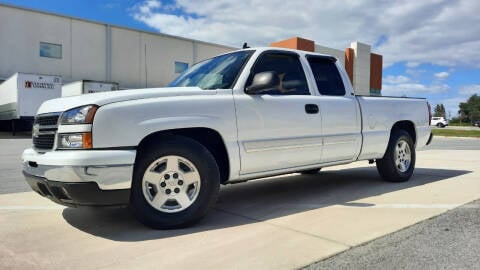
x: 209, y: 178
x: 405, y: 137
x: 387, y: 167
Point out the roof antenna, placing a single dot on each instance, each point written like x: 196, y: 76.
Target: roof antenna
x: 245, y: 46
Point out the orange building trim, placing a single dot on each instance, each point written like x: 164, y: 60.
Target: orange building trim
x: 349, y: 55
x: 296, y: 43
x: 376, y: 65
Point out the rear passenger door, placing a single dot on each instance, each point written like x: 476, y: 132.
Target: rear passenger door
x: 279, y: 128
x: 341, y: 130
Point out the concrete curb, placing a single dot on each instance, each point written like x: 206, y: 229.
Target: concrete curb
x: 456, y: 138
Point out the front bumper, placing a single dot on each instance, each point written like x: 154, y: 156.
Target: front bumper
x: 81, y: 178
x: 77, y: 194
x: 109, y: 169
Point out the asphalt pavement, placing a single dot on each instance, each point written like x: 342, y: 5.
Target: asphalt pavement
x: 448, y: 241
x: 453, y: 143
x: 11, y: 162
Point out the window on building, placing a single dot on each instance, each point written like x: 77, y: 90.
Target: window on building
x: 180, y: 67
x: 50, y: 50
x: 329, y: 82
x: 289, y: 70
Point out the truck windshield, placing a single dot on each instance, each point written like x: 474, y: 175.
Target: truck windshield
x: 216, y: 73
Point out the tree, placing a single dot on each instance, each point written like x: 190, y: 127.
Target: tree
x: 439, y: 111
x: 470, y: 110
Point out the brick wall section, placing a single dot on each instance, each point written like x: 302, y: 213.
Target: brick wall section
x: 296, y: 43
x: 349, y: 55
x: 376, y: 65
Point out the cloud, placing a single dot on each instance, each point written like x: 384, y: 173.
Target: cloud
x: 469, y: 90
x: 440, y: 32
x: 396, y: 79
x: 401, y: 85
x: 413, y: 89
x: 442, y: 75
x: 411, y: 64
x: 451, y: 105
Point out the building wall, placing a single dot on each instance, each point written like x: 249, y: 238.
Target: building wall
x: 20, y: 34
x: 361, y: 68
x: 165, y: 50
x: 376, y: 66
x: 93, y: 50
x: 204, y: 51
x: 349, y: 58
x: 88, y: 51
x: 126, y: 58
x: 339, y: 54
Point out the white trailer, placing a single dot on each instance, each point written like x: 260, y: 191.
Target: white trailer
x: 22, y: 94
x: 87, y: 86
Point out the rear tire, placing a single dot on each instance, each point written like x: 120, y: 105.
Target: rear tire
x: 175, y: 181
x: 398, y: 163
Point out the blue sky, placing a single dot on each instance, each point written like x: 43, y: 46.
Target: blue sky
x: 430, y: 48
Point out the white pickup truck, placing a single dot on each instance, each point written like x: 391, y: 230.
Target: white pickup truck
x: 242, y: 115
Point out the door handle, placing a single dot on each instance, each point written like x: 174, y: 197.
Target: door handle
x: 311, y: 108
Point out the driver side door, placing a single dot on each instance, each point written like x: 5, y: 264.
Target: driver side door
x: 279, y: 128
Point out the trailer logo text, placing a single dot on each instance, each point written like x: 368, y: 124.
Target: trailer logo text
x: 44, y: 85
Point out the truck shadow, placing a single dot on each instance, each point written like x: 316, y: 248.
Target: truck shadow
x: 258, y: 201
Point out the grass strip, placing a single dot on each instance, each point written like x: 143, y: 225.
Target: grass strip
x: 456, y: 133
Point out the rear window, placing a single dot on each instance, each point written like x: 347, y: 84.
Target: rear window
x: 328, y: 80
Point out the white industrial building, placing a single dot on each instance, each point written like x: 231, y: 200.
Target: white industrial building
x: 76, y: 49
x: 37, y: 42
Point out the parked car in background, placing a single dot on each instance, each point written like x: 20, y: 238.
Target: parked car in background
x: 476, y: 123
x: 439, y: 122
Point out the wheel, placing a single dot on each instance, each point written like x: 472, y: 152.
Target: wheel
x: 174, y: 183
x: 312, y: 171
x: 398, y: 163
x: 439, y: 124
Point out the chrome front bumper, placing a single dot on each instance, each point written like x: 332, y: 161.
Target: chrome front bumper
x: 109, y: 169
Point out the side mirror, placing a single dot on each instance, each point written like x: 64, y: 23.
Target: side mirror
x: 263, y: 81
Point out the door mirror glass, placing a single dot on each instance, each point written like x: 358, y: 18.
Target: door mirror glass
x: 262, y: 82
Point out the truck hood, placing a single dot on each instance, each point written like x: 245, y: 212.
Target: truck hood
x: 66, y: 103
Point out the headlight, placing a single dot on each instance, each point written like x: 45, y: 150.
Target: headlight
x: 75, y: 141
x: 80, y: 115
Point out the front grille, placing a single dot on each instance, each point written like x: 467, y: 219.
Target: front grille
x: 47, y: 120
x: 44, y: 141
x: 44, y: 130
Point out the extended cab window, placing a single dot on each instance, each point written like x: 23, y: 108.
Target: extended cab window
x: 288, y: 69
x: 328, y: 79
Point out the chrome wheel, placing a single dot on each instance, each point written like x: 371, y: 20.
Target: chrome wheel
x: 403, y: 156
x: 171, y: 184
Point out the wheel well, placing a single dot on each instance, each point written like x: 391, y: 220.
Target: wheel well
x: 209, y: 138
x: 408, y: 127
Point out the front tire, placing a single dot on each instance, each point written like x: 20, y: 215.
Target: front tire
x: 398, y: 163
x: 175, y: 182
